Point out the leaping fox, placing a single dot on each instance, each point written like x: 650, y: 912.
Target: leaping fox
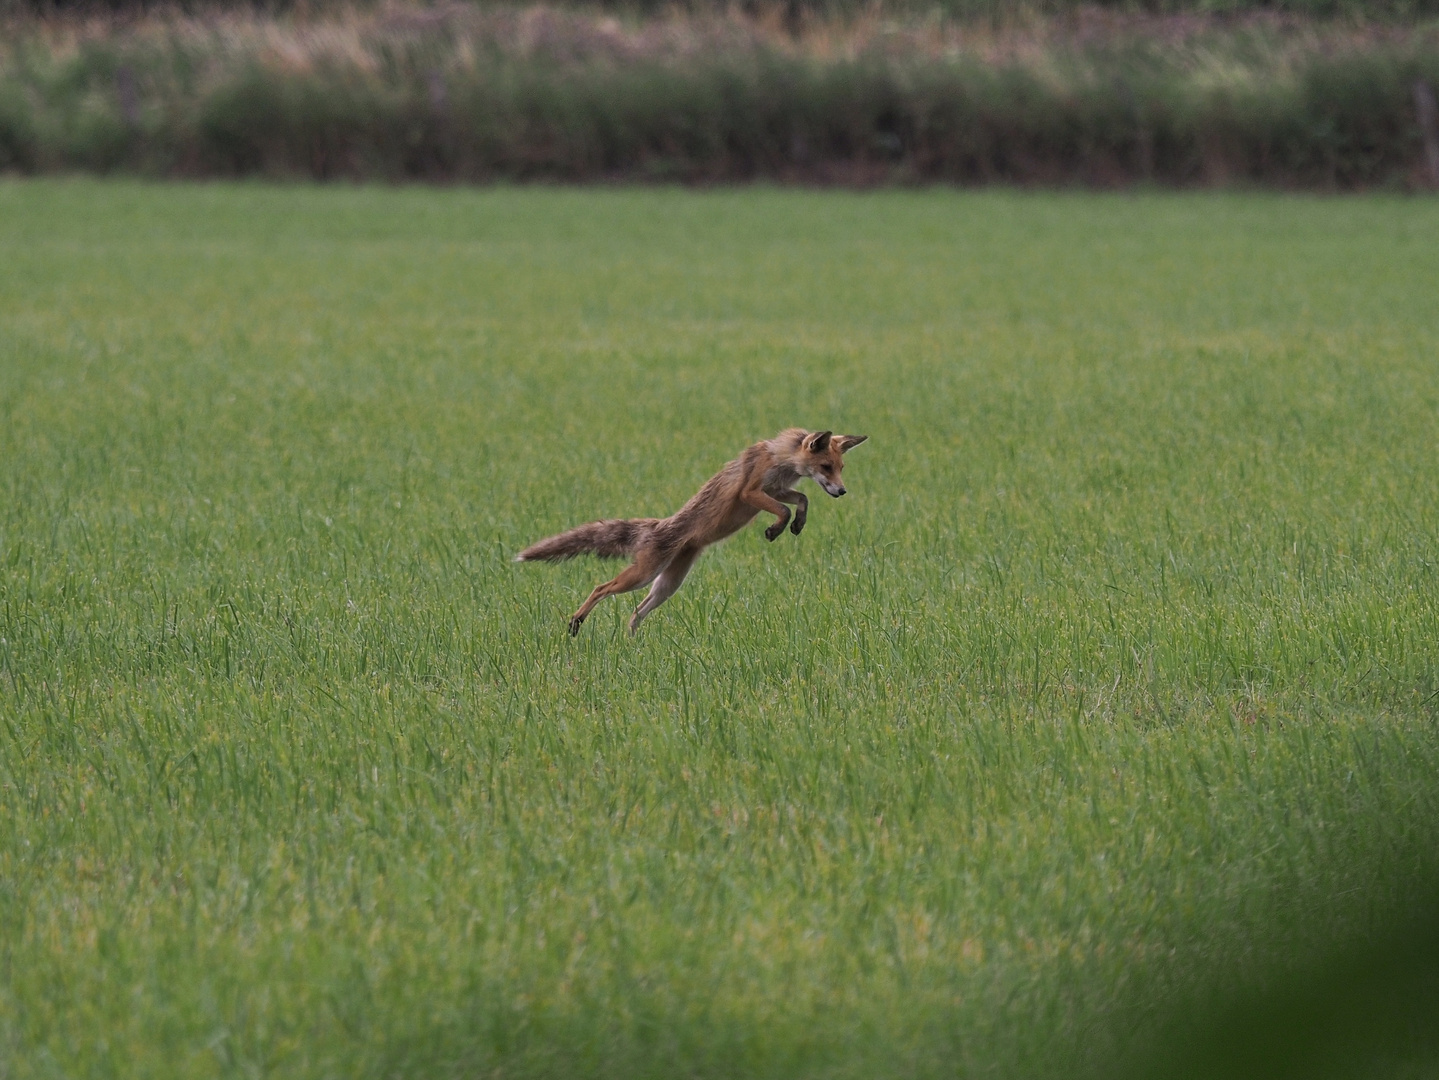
x: 664, y: 549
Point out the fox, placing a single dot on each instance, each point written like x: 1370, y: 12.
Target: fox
x: 663, y: 550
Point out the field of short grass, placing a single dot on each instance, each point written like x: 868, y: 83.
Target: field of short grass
x: 1112, y: 681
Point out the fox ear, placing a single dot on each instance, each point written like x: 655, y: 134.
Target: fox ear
x: 817, y: 443
x: 848, y: 442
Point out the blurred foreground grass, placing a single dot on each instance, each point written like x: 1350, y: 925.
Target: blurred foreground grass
x: 1109, y: 689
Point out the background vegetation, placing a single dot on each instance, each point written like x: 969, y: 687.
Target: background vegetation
x: 988, y: 10
x: 1102, y: 707
x: 882, y: 96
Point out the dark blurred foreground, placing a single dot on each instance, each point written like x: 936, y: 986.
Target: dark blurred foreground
x: 462, y: 93
x: 1368, y: 1009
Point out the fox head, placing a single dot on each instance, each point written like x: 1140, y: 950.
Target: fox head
x: 821, y: 458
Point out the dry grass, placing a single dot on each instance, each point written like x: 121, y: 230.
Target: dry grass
x: 460, y: 34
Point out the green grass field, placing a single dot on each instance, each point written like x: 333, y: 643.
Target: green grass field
x: 1108, y: 690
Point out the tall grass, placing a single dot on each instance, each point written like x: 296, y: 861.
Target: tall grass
x: 1112, y: 681
x: 469, y: 94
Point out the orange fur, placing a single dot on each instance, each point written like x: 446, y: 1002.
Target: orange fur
x: 664, y: 549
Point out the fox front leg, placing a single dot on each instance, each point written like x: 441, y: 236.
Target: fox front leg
x: 800, y: 502
x: 763, y: 500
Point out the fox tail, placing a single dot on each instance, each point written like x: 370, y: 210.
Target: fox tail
x: 607, y: 539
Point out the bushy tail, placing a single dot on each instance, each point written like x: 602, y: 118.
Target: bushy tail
x: 607, y: 539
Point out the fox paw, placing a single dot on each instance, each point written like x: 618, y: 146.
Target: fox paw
x: 575, y: 625
x: 796, y: 525
x: 774, y: 530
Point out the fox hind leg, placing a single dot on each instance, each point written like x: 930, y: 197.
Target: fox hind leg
x: 637, y: 575
x: 665, y: 585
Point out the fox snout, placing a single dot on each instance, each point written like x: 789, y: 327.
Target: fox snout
x: 833, y: 489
